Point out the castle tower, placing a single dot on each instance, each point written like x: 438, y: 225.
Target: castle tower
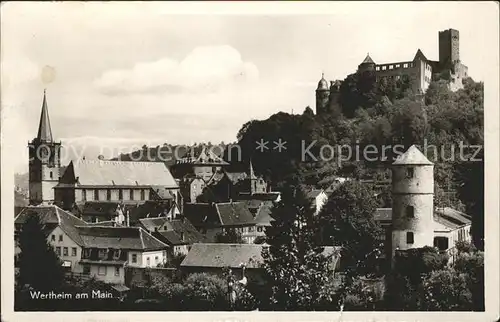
x: 412, y: 201
x: 44, y: 161
x: 334, y: 96
x: 322, y: 96
x: 367, y: 65
x: 449, y: 48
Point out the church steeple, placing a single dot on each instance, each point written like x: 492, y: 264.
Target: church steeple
x: 44, y: 129
x: 252, y: 174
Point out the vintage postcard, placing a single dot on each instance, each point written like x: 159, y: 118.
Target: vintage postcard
x: 250, y: 161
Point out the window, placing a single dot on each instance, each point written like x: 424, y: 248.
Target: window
x: 259, y: 229
x: 96, y: 194
x: 405, y: 65
x: 143, y: 194
x: 117, y: 271
x: 441, y: 243
x: 131, y: 194
x: 108, y: 194
x: 157, y: 260
x: 410, y: 212
x: 391, y: 66
x: 377, y: 68
x: 117, y: 254
x: 409, y: 237
x: 398, y: 65
x: 65, y: 251
x: 60, y: 238
x: 102, y: 253
x: 148, y: 262
x: 409, y: 172
x: 53, y: 237
x: 58, y: 251
x: 86, y: 253
x: 73, y: 251
x: 384, y: 67
x: 101, y: 270
x: 86, y: 269
x: 50, y: 174
x: 120, y: 194
x: 84, y: 195
x: 134, y: 258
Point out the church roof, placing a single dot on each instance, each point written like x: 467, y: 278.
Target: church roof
x: 368, y: 60
x: 122, y: 173
x: 44, y: 129
x: 412, y: 156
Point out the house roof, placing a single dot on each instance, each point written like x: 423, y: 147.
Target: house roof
x: 420, y: 54
x: 223, y: 255
x: 412, y: 156
x: 218, y: 214
x: 263, y: 217
x: 151, y: 223
x: 231, y: 255
x: 53, y: 216
x: 121, y: 173
x: 131, y: 238
x: 179, y: 232
x: 100, y: 208
x: 234, y: 213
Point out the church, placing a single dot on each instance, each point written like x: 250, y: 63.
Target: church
x: 86, y: 181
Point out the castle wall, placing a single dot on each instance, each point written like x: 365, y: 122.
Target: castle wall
x: 419, y: 73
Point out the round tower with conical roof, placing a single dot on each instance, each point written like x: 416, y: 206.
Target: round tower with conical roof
x: 322, y: 95
x: 367, y: 65
x: 412, y: 201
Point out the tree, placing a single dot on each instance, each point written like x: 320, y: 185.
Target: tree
x: 446, y: 290
x: 229, y: 236
x: 39, y: 265
x: 296, y: 269
x: 347, y: 221
x: 206, y: 293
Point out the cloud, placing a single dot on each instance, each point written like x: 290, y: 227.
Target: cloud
x: 206, y: 69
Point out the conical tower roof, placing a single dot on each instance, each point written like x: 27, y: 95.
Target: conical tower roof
x: 368, y: 60
x: 44, y: 129
x: 412, y: 156
x: 323, y: 84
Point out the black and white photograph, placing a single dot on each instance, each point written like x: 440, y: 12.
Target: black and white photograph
x: 250, y: 158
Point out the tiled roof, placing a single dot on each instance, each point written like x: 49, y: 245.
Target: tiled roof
x: 131, y: 238
x: 412, y: 156
x: 263, y: 217
x: 151, y: 223
x: 224, y: 255
x: 234, y: 214
x: 218, y: 214
x: 107, y: 223
x: 232, y: 255
x: 53, y: 216
x: 147, y: 209
x: 100, y: 208
x: 179, y: 232
x: 122, y: 173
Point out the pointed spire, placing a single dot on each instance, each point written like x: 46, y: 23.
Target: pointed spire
x: 252, y: 174
x: 44, y: 129
x: 368, y: 59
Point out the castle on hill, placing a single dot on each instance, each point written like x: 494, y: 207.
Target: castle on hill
x: 419, y: 72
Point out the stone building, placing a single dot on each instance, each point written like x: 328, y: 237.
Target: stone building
x: 419, y: 71
x: 44, y: 161
x: 413, y: 201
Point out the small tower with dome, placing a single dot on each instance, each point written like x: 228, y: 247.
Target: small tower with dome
x: 412, y: 201
x: 322, y: 95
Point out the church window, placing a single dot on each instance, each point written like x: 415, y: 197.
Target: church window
x: 410, y: 211
x: 409, y: 237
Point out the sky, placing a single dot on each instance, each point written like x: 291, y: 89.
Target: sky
x: 120, y: 75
